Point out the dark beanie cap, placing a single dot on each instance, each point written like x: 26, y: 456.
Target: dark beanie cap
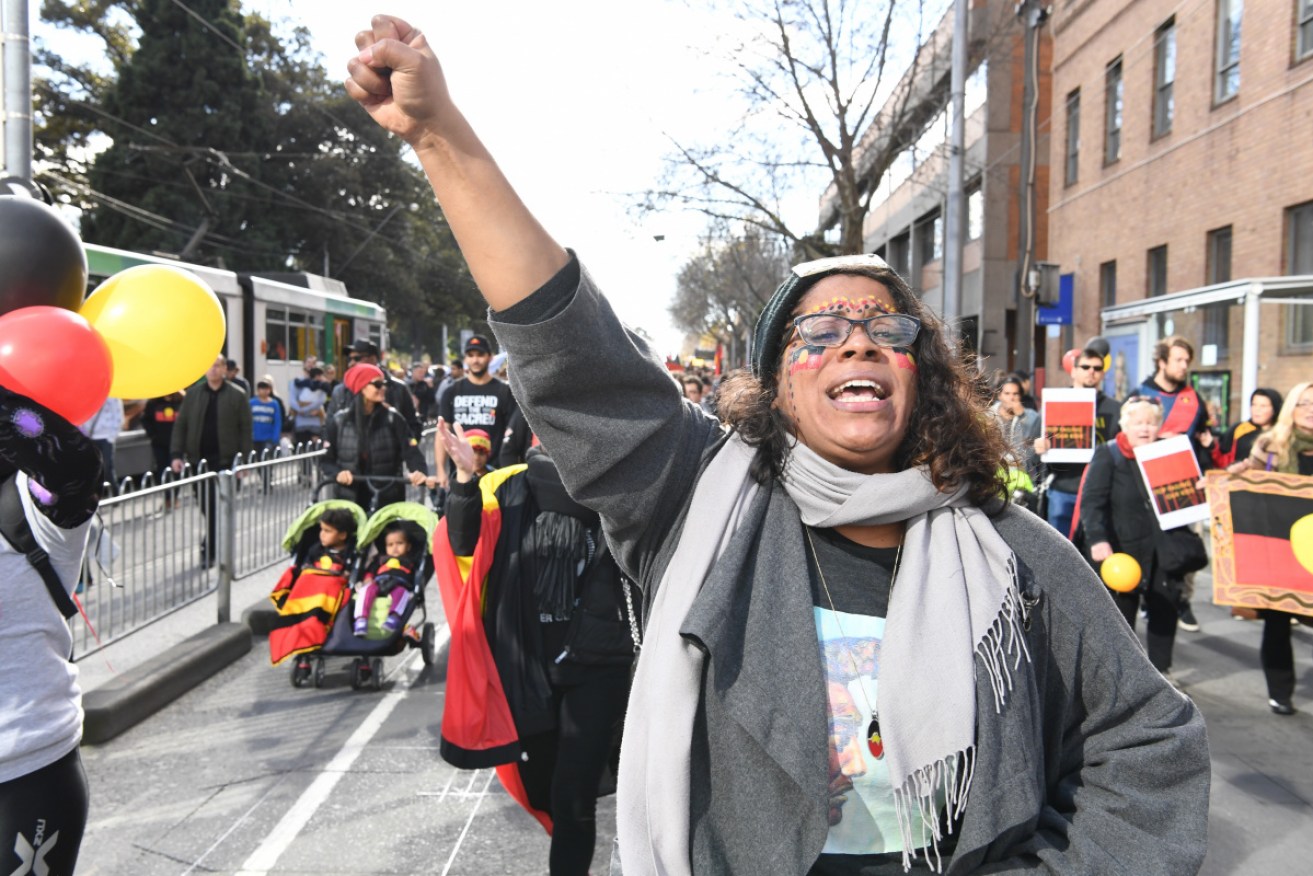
x: 764, y: 353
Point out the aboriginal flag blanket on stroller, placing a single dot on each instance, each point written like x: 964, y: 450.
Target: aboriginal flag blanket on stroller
x: 308, y: 600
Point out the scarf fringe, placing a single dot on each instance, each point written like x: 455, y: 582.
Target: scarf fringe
x: 952, y: 775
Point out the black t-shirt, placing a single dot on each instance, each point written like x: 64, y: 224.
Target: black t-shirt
x: 857, y: 579
x: 1306, y: 465
x: 487, y: 406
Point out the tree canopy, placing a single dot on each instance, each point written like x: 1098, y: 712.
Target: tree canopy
x: 217, y: 136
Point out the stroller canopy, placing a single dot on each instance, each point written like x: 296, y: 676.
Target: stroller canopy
x: 412, y: 511
x: 310, y: 517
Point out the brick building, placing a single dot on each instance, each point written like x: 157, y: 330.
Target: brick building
x: 905, y: 225
x: 1181, y: 198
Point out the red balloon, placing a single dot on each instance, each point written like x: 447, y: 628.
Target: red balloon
x: 54, y: 357
x: 1069, y: 359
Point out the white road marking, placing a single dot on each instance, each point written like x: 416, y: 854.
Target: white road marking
x: 236, y: 824
x: 466, y: 829
x: 263, y: 859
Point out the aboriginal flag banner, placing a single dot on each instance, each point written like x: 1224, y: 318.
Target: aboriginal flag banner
x: 1262, y: 533
x: 1171, y: 471
x: 1069, y: 418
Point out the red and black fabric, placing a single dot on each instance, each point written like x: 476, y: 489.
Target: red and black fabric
x: 1261, y: 536
x: 477, y: 728
x: 496, y: 690
x: 308, y: 600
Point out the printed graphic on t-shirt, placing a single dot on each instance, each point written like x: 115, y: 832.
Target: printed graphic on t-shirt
x: 861, y: 809
x: 475, y: 411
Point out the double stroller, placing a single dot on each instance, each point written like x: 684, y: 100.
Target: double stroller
x: 317, y: 606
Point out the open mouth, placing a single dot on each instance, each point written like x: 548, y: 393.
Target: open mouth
x: 858, y: 391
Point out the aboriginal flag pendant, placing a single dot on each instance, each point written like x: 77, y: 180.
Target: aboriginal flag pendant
x: 873, y: 740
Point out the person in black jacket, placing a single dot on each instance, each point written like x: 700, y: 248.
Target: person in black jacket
x: 558, y: 627
x: 1117, y: 516
x: 369, y: 438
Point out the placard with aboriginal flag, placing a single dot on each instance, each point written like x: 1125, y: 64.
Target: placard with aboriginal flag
x: 1069, y: 418
x: 1171, y: 472
x: 1262, y: 533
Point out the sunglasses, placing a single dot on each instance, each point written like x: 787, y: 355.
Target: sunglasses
x: 833, y: 330
x: 1090, y: 367
x: 378, y: 384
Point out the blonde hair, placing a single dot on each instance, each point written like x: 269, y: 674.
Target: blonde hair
x: 1278, y: 439
x: 1139, y: 401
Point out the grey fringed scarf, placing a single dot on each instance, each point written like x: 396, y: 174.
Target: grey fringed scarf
x: 956, y: 602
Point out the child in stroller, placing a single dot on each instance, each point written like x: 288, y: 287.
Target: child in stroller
x: 315, y: 585
x: 383, y: 635
x: 393, y: 575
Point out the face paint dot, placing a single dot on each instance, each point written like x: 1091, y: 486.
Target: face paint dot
x: 28, y: 422
x: 40, y: 493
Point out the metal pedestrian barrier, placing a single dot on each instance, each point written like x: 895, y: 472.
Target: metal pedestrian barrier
x: 158, y: 545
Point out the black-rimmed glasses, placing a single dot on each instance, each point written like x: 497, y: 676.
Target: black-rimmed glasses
x: 833, y: 330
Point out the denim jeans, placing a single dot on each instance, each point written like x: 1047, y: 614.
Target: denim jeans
x: 1062, y: 506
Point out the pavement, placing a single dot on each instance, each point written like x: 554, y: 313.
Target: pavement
x: 1261, y: 817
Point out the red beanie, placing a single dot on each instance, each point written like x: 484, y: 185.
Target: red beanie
x: 358, y: 375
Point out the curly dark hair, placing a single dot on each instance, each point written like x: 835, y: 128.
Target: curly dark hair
x: 950, y: 431
x: 340, y: 519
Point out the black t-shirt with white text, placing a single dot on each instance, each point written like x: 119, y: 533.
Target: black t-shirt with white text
x: 485, y: 406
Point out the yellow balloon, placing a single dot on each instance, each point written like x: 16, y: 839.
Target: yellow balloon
x: 1121, y: 572
x: 1107, y: 363
x: 1301, y: 541
x: 164, y: 327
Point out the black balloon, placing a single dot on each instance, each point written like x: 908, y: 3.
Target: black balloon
x: 1098, y: 345
x: 41, y: 259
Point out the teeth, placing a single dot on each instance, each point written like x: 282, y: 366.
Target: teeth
x: 879, y: 390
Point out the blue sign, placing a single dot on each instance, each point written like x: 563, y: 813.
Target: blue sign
x: 1060, y: 313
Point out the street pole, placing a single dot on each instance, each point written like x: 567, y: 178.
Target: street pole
x: 954, y: 213
x: 1032, y: 16
x: 17, y: 79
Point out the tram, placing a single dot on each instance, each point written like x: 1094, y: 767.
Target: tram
x: 274, y: 321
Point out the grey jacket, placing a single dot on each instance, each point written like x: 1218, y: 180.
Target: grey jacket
x: 1095, y: 765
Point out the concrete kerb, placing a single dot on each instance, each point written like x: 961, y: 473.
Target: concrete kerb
x: 135, y: 695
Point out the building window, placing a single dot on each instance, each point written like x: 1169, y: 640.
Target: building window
x: 975, y: 211
x: 1073, y: 136
x: 1108, y: 283
x: 1219, y: 256
x: 1299, y: 317
x: 1156, y: 271
x: 1304, y: 38
x: 1226, y: 81
x: 1112, y: 112
x: 900, y: 251
x: 1164, y: 77
x: 1217, y: 317
x: 930, y: 238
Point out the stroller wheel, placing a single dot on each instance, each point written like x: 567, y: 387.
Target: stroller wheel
x: 300, y: 672
x: 319, y: 672
x: 427, y: 642
x: 359, y: 669
x: 376, y: 673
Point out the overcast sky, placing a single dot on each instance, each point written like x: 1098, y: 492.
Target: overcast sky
x: 577, y: 100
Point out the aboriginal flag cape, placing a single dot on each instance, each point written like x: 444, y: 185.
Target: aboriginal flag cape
x: 478, y: 729
x: 307, y: 599
x: 1262, y: 540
